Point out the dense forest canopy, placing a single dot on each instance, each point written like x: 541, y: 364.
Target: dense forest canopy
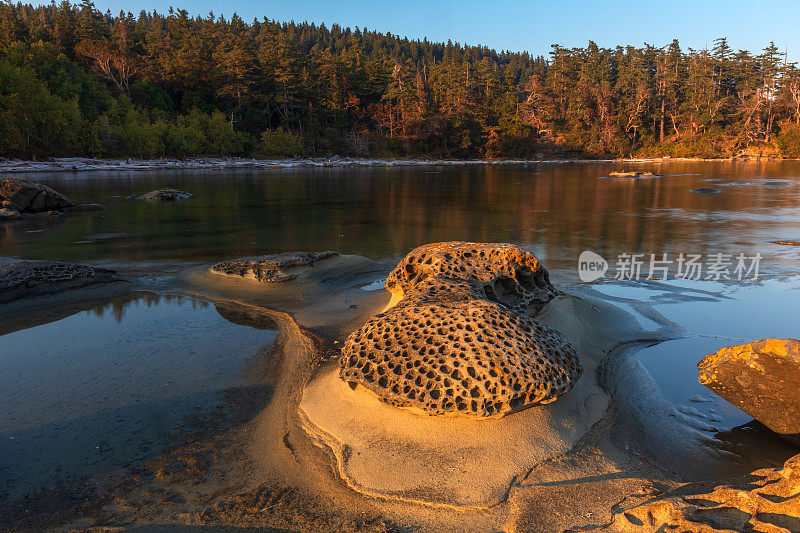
x: 75, y: 81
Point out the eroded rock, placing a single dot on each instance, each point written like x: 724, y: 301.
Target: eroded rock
x: 28, y: 197
x: 470, y: 357
x: 766, y: 501
x: 270, y: 268
x: 761, y: 378
x: 21, y: 278
x: 166, y: 195
x: 504, y: 273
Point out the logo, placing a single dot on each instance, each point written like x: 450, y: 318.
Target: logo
x: 591, y: 266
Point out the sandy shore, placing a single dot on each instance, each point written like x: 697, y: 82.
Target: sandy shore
x: 315, y: 455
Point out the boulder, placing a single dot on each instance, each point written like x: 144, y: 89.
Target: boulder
x: 470, y: 357
x: 766, y: 501
x: 761, y: 378
x: 28, y: 197
x: 503, y: 273
x: 165, y: 195
x: 270, y: 268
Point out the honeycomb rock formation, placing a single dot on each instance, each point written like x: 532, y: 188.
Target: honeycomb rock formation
x: 504, y: 273
x: 761, y: 378
x: 457, y: 342
x: 270, y: 268
x: 20, y: 278
x: 767, y: 500
x: 471, y: 356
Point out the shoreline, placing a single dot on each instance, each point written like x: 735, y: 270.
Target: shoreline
x: 84, y: 164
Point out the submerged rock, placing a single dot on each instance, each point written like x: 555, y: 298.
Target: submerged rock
x: 503, y: 273
x: 28, y: 197
x: 705, y: 191
x: 21, y: 278
x: 767, y: 500
x: 761, y: 378
x: 162, y: 195
x: 270, y: 268
x: 470, y: 357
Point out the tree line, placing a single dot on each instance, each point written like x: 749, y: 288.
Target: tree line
x: 76, y: 81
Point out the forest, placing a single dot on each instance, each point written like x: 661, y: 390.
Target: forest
x: 78, y: 82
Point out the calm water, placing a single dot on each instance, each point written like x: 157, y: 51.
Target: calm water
x: 555, y: 210
x: 101, y: 389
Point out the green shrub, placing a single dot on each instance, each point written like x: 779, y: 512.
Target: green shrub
x: 280, y: 143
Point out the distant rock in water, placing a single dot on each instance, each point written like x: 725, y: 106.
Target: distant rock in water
x: 21, y: 278
x: 705, y: 191
x: 270, y: 268
x: 630, y: 174
x: 458, y: 340
x: 786, y: 243
x: 163, y: 195
x: 23, y: 196
x: 761, y: 378
x: 764, y: 501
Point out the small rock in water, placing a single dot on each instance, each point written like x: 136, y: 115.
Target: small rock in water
x: 629, y: 174
x: 165, y: 195
x: 697, y: 398
x: 705, y: 191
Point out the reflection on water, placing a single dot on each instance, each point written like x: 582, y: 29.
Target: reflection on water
x: 714, y: 315
x: 100, y: 389
x: 558, y: 210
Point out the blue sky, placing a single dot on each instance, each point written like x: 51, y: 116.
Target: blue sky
x: 530, y: 25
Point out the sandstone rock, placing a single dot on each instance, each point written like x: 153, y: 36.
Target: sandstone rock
x: 761, y: 378
x: 766, y: 501
x: 270, y: 268
x: 469, y: 357
x: 503, y: 273
x: 166, y: 195
x: 20, y: 278
x: 28, y: 197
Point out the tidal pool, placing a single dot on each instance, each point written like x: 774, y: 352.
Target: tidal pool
x: 103, y: 388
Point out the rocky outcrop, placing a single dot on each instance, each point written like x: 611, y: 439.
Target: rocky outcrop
x: 270, y: 268
x: 20, y: 278
x: 18, y: 197
x: 761, y: 378
x: 766, y: 501
x: 503, y: 273
x: 458, y: 341
x: 28, y: 197
x: 471, y: 357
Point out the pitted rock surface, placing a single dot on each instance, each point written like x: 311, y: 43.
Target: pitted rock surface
x: 469, y: 357
x: 504, y: 273
x: 270, y: 268
x: 28, y: 197
x: 22, y: 278
x: 166, y: 195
